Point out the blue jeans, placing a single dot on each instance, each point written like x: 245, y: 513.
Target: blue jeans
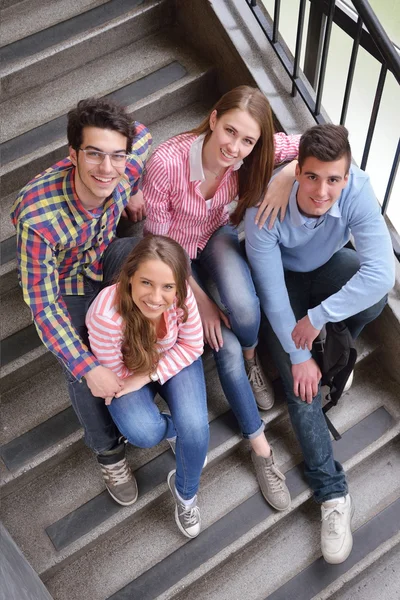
x: 139, y: 420
x: 306, y: 290
x: 223, y: 263
x: 100, y: 431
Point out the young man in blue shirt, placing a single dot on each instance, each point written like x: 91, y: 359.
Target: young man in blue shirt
x: 305, y: 277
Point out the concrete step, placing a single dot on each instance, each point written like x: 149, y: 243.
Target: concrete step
x: 81, y: 481
x: 59, y: 49
x: 173, y: 79
x: 115, y: 70
x: 14, y: 313
x: 379, y: 578
x: 45, y: 436
x: 285, y: 563
x: 22, y: 19
x: 39, y: 427
x: 368, y: 421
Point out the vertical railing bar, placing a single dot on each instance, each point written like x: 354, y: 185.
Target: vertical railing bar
x: 299, y: 40
x: 392, y: 177
x: 350, y: 74
x: 374, y: 116
x: 277, y: 13
x: 324, y: 59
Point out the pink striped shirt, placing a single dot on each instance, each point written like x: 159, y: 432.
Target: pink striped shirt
x: 171, y: 188
x: 181, y: 345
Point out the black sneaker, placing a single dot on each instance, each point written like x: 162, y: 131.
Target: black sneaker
x: 118, y: 477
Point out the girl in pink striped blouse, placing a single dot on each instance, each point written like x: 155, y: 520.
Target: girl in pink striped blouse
x: 147, y: 329
x: 189, y: 182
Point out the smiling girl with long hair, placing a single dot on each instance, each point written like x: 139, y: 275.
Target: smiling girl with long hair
x: 147, y: 329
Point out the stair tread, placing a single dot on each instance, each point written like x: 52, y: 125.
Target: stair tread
x: 110, y: 72
x: 286, y: 563
x: 31, y: 16
x: 80, y: 480
x: 381, y: 580
x: 296, y: 535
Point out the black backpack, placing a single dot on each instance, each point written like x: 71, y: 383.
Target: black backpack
x: 336, y: 356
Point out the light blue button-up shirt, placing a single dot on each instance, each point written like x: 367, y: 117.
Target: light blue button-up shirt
x: 303, y: 244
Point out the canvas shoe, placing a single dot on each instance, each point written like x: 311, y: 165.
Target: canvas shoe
x: 336, y: 536
x: 118, y: 477
x: 186, y: 517
x: 262, y: 388
x: 271, y: 481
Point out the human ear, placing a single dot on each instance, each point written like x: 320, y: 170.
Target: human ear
x: 213, y: 120
x: 73, y: 156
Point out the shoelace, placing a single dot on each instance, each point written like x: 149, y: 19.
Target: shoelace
x: 332, y: 516
x: 118, y: 473
x: 255, y: 378
x: 190, y: 516
x: 275, y: 478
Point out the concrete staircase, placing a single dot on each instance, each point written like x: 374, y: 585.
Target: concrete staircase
x: 82, y: 544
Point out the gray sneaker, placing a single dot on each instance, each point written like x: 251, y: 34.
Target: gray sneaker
x: 186, y: 517
x: 118, y: 477
x: 271, y: 481
x: 262, y: 388
x: 172, y: 443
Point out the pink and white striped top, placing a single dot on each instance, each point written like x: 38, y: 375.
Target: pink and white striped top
x: 181, y: 345
x: 171, y: 189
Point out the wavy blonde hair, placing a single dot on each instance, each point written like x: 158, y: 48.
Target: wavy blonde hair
x: 257, y: 167
x: 139, y: 346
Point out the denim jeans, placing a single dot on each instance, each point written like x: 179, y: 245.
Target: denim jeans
x: 100, y: 432
x: 307, y: 290
x: 139, y: 420
x: 222, y: 262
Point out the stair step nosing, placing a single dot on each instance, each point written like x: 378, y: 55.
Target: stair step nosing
x: 81, y: 545
x: 368, y: 561
x: 32, y: 55
x: 61, y: 141
x: 266, y: 516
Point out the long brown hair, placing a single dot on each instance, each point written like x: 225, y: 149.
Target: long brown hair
x: 257, y: 167
x: 139, y: 346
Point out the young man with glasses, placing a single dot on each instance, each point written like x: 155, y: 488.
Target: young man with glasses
x: 66, y: 220
x: 305, y: 276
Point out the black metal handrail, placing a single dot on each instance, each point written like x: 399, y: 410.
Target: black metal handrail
x: 367, y: 32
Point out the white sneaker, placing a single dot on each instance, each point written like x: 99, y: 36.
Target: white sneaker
x: 336, y: 536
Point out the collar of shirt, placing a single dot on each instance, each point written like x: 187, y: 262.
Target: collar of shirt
x: 195, y: 160
x: 297, y: 219
x: 76, y: 207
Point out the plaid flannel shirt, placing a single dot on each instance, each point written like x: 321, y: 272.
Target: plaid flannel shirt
x: 59, y: 241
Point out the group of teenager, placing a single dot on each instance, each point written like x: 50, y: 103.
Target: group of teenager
x: 128, y: 318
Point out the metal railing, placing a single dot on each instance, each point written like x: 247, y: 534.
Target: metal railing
x: 364, y: 28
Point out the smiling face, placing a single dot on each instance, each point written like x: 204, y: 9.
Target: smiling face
x: 233, y: 137
x: 320, y: 184
x: 95, y: 183
x: 153, y: 288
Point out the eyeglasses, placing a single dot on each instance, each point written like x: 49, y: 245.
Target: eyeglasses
x: 95, y: 157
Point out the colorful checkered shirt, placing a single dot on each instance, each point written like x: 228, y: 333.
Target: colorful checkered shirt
x: 59, y: 241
